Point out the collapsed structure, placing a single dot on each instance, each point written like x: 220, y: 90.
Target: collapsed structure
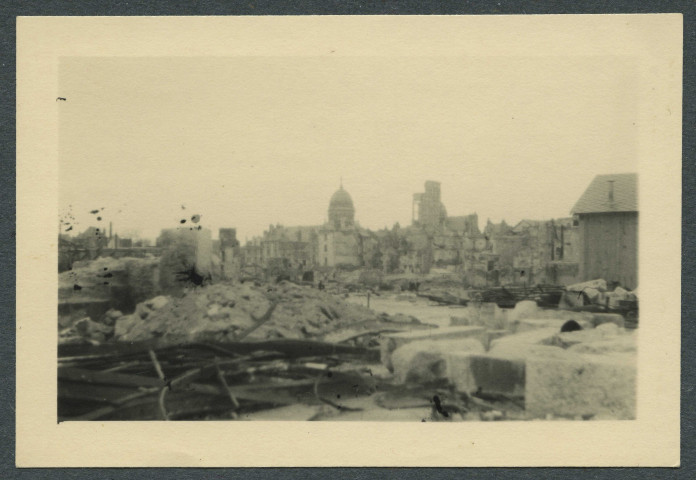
x: 206, y: 329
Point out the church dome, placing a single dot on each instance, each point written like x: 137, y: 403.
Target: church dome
x: 341, y: 199
x: 341, y: 210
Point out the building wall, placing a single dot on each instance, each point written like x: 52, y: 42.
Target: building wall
x: 506, y: 246
x: 204, y: 251
x: 297, y: 246
x: 467, y: 224
x: 251, y: 253
x: 338, y: 248
x: 428, y: 209
x: 562, y: 273
x: 609, y: 247
x: 570, y: 251
x: 229, y: 253
x: 325, y: 249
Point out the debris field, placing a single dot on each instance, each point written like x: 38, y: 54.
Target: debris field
x: 284, y: 351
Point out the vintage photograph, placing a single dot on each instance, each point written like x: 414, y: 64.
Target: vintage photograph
x: 349, y: 241
x: 348, y: 238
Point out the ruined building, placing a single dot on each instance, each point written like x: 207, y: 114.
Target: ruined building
x: 529, y: 253
x: 436, y: 239
x: 186, y: 252
x: 229, y: 252
x: 535, y: 251
x: 283, y: 250
x: 427, y: 209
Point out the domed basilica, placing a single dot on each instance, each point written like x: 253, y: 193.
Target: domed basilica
x: 341, y: 210
x: 338, y: 239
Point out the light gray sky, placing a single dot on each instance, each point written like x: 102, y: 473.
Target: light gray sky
x: 250, y: 141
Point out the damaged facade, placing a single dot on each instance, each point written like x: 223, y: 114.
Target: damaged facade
x: 531, y: 252
x: 599, y: 241
x: 334, y: 244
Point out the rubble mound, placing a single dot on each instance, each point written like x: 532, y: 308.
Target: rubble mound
x: 226, y: 312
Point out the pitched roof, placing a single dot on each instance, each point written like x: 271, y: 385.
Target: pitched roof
x: 596, y: 198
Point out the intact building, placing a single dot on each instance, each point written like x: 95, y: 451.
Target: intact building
x: 607, y: 215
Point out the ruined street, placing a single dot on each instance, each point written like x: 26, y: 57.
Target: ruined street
x: 283, y: 350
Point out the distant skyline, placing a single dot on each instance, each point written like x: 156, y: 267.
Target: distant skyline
x: 251, y: 141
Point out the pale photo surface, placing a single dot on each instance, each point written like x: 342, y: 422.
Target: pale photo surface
x: 363, y: 233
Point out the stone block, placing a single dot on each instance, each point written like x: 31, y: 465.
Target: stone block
x: 610, y: 329
x: 501, y: 318
x: 459, y: 321
x: 525, y: 350
x: 588, y: 386
x: 601, y: 318
x: 625, y: 343
x: 469, y: 372
x: 484, y: 314
x: 523, y: 309
x: 470, y: 315
x: 568, y: 339
x: 501, y: 373
x: 425, y: 360
x: 494, y: 334
x: 487, y: 312
x: 539, y: 336
x: 392, y: 341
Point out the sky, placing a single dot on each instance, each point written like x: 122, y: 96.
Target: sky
x: 250, y: 141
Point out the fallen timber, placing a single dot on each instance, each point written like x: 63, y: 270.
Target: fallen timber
x: 196, y: 380
x: 289, y: 347
x: 445, y: 299
x: 546, y: 296
x: 241, y: 381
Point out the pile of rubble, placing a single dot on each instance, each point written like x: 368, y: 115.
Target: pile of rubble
x: 92, y: 295
x: 227, y: 312
x: 597, y: 292
x: 288, y: 351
